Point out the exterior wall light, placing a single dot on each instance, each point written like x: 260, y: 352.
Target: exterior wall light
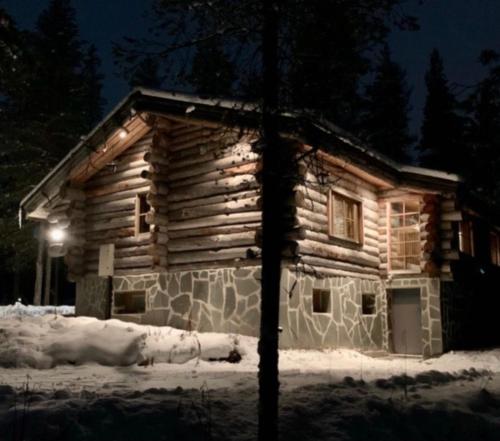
x: 56, y: 235
x: 123, y: 133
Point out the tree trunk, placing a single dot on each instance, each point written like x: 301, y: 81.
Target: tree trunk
x: 272, y: 231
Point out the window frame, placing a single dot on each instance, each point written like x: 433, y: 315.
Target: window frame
x: 363, y: 296
x: 322, y: 291
x: 403, y: 200
x: 466, y: 228
x: 131, y: 293
x: 138, y: 215
x: 358, y: 221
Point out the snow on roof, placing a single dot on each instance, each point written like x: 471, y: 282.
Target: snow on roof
x: 191, y: 102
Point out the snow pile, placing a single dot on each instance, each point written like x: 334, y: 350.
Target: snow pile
x: 18, y: 310
x: 46, y: 341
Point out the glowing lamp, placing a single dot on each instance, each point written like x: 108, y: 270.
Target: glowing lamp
x: 123, y: 133
x: 56, y: 235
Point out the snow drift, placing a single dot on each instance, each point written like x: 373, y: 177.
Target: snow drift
x: 19, y: 310
x: 45, y: 341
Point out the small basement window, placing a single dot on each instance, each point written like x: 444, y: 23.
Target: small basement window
x: 321, y: 300
x: 141, y: 210
x: 129, y: 302
x: 368, y: 304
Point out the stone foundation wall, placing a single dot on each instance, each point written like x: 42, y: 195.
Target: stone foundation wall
x: 430, y: 303
x: 344, y: 326
x: 219, y: 300
x: 228, y: 300
x: 92, y: 298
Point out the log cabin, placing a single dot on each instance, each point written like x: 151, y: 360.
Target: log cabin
x: 156, y: 214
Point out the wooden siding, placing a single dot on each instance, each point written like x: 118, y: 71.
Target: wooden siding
x: 110, y: 211
x: 204, y: 196
x: 317, y: 250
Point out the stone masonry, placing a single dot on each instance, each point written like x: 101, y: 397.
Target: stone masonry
x: 228, y: 300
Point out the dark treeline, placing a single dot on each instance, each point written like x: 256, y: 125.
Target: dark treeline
x: 50, y: 96
x: 334, y: 60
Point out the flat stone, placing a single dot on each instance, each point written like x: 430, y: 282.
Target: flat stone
x: 205, y: 324
x: 155, y: 317
x: 252, y: 318
x: 217, y: 294
x: 173, y: 287
x: 186, y: 282
x: 241, y: 273
x: 293, y: 295
x: 253, y: 300
x: 160, y: 300
x: 230, y: 304
x: 245, y: 287
x: 162, y: 282
x: 181, y: 304
x: 200, y: 290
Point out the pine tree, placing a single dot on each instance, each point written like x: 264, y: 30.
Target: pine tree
x: 146, y: 74
x: 212, y: 73
x: 91, y: 87
x: 385, y: 122
x: 441, y: 144
x: 483, y: 136
x: 56, y: 89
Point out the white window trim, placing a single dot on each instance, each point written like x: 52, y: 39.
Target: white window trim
x: 388, y: 202
x: 330, y: 215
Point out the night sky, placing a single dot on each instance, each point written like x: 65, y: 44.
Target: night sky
x: 460, y: 29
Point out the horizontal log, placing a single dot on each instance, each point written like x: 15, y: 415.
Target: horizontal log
x: 118, y: 195
x: 156, y: 219
x: 213, y: 200
x: 158, y: 188
x: 208, y: 256
x: 156, y: 157
x: 113, y: 223
x: 215, y: 165
x: 214, y: 230
x: 309, y: 247
x: 228, y: 207
x: 245, y: 169
x: 129, y: 184
x: 222, y: 186
x: 212, y: 242
x: 110, y: 207
x: 107, y: 235
x: 452, y: 216
x: 71, y: 193
x: 114, y: 178
x: 212, y: 221
x: 227, y: 263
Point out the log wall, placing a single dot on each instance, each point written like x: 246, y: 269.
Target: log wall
x: 110, y: 212
x: 206, y: 203
x: 316, y: 249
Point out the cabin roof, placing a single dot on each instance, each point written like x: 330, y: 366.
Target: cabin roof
x: 305, y: 126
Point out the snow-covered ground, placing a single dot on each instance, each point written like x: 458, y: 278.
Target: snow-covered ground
x: 83, y: 382
x: 20, y: 310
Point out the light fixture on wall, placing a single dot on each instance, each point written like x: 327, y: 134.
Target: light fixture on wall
x: 56, y: 235
x: 123, y: 133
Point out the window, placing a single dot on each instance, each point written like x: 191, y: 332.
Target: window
x: 344, y: 220
x: 129, y: 302
x: 321, y: 300
x: 466, y: 237
x: 495, y: 248
x: 141, y: 209
x: 404, y: 224
x: 368, y: 305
